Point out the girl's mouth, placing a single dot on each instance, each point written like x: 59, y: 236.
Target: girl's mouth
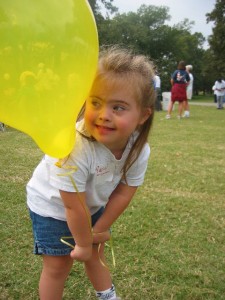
x: 104, y: 129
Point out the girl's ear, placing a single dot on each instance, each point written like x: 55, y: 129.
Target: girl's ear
x: 146, y: 113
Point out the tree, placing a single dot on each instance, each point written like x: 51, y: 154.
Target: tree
x: 216, y: 40
x: 96, y: 6
x: 146, y: 32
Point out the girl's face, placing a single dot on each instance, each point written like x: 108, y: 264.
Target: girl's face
x: 112, y: 113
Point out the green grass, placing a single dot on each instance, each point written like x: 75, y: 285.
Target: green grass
x: 169, y: 244
x: 203, y: 98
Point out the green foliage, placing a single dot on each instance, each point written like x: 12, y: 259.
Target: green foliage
x: 169, y: 244
x: 147, y: 32
x: 216, y: 40
x: 96, y: 8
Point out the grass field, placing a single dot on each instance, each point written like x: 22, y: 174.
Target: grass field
x: 203, y: 98
x: 169, y: 244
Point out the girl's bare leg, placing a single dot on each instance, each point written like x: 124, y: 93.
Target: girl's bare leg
x: 180, y: 108
x: 97, y: 273
x: 54, y: 273
x: 170, y: 108
x: 186, y: 108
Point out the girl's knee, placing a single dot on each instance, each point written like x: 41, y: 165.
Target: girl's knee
x: 97, y: 256
x: 57, y: 266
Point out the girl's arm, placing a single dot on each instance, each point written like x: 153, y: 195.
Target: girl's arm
x: 118, y: 202
x: 79, y: 224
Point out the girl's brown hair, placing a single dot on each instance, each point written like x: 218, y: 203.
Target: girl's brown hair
x: 181, y: 65
x: 137, y: 69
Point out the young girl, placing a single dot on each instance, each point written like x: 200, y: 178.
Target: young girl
x: 110, y: 155
x: 179, y: 81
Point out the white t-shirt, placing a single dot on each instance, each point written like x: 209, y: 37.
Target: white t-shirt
x: 98, y: 173
x: 190, y: 87
x: 220, y: 88
x: 157, y: 82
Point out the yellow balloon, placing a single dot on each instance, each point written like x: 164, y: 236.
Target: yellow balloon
x: 48, y: 60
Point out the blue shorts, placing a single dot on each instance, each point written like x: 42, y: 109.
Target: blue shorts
x: 48, y: 232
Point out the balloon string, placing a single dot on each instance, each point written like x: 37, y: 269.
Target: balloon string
x: 65, y: 238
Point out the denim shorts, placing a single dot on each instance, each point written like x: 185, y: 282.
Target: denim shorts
x: 48, y: 232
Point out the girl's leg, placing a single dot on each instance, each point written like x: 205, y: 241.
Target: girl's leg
x: 180, y: 108
x: 170, y: 107
x: 97, y: 273
x: 54, y: 273
x: 186, y: 109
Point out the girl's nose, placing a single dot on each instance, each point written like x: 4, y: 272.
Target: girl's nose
x: 104, y: 113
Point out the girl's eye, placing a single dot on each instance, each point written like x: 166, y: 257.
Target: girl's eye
x: 95, y: 103
x: 118, y: 108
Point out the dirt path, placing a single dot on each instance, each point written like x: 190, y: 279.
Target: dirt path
x: 202, y: 103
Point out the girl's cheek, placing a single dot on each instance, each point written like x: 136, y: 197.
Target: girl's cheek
x: 89, y: 116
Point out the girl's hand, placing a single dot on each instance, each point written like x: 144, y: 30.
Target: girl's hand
x: 81, y: 253
x: 101, y: 237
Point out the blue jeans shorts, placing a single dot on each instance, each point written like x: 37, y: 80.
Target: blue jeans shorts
x: 48, y: 232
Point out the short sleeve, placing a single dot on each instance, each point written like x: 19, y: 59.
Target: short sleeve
x: 174, y: 75
x: 77, y: 166
x: 187, y: 77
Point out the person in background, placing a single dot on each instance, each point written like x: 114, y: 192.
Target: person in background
x: 220, y: 90
x: 214, y: 93
x: 189, y: 90
x: 2, y: 126
x: 157, y: 84
x: 106, y: 166
x: 224, y: 91
x: 179, y: 81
